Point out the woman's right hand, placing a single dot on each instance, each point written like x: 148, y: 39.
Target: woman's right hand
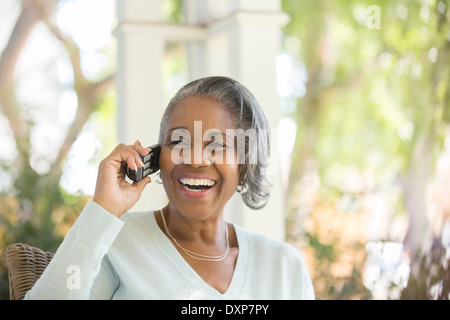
x: 112, y: 191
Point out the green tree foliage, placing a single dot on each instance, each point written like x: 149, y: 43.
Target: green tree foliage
x: 377, y: 101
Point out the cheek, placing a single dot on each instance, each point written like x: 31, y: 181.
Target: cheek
x: 231, y: 173
x: 166, y: 166
x: 165, y: 161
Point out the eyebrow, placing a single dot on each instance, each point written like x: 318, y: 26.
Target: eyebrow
x: 173, y: 129
x: 215, y: 133
x: 212, y: 132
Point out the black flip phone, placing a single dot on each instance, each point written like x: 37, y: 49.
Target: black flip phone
x: 151, y: 164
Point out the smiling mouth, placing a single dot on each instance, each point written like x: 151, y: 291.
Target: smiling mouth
x: 196, y: 185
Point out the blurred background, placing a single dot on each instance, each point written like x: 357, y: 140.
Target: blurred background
x: 364, y: 100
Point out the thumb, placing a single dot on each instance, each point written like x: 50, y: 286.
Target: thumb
x: 140, y: 185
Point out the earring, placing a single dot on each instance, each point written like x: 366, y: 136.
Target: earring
x: 158, y: 178
x: 241, y: 188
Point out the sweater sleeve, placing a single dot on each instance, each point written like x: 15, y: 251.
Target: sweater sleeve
x: 80, y: 268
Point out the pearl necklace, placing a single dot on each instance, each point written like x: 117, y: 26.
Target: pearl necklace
x: 195, y: 255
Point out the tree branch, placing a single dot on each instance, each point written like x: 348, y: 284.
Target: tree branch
x: 32, y: 11
x: 87, y: 102
x: 74, y: 54
x: 88, y: 94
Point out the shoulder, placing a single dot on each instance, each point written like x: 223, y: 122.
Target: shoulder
x: 264, y: 247
x: 137, y: 226
x: 138, y: 235
x: 279, y: 264
x: 136, y: 217
x: 135, y: 221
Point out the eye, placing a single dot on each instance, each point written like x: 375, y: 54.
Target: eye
x: 219, y: 142
x: 217, y: 145
x: 175, y: 142
x: 178, y: 141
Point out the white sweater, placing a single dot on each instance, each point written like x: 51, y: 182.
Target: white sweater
x: 103, y: 257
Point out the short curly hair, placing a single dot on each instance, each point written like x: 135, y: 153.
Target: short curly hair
x: 247, y: 114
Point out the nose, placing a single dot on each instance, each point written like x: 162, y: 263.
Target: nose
x: 198, y: 157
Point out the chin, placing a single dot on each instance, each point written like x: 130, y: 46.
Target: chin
x: 195, y: 210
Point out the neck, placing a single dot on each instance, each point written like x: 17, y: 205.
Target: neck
x: 208, y: 230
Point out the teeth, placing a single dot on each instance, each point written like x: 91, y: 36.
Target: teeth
x: 197, y: 182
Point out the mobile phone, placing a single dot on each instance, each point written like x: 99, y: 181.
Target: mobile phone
x: 151, y: 164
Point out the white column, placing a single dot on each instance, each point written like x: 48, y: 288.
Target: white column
x: 140, y: 93
x: 243, y: 40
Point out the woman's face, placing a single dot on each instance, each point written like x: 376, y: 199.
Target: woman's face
x: 198, y: 159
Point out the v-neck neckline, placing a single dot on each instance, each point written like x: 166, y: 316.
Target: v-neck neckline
x: 240, y: 269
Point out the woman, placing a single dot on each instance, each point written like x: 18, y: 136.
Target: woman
x: 210, y: 132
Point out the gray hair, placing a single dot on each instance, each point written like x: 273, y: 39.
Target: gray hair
x: 247, y: 114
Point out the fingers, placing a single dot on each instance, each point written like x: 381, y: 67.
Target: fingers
x: 112, y: 191
x: 140, y: 149
x: 131, y: 154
